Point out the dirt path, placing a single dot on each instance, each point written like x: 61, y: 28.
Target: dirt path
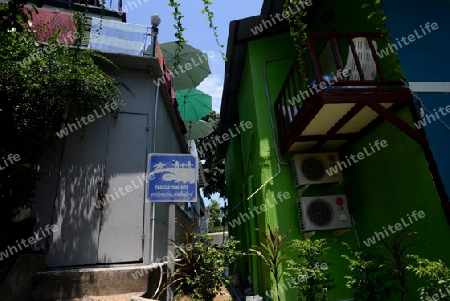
x: 119, y: 297
x: 126, y: 297
x: 224, y: 297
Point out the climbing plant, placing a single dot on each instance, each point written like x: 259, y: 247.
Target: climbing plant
x: 297, y: 29
x: 178, y: 16
x: 42, y: 85
x: 179, y: 29
x: 297, y: 24
x: 377, y: 14
x: 210, y: 16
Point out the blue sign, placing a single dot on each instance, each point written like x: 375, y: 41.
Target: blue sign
x: 172, y: 178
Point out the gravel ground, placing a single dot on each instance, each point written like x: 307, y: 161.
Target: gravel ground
x: 224, y: 297
x: 126, y: 297
x: 120, y: 297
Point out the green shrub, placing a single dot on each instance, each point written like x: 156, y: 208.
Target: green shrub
x: 311, y: 278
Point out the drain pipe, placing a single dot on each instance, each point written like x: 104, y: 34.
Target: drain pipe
x: 272, y: 122
x: 253, y: 237
x: 152, y: 206
x: 153, y: 203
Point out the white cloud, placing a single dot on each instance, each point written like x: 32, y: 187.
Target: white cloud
x: 213, y: 85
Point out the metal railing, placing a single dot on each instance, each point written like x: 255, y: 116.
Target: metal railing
x: 314, y: 67
x: 115, y: 5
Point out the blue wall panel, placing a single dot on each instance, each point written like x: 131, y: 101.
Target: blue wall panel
x: 437, y: 133
x: 426, y: 60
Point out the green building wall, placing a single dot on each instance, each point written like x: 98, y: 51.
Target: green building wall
x: 382, y: 188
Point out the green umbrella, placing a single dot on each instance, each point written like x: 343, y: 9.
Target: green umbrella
x: 193, y: 104
x: 193, y: 67
x: 197, y: 129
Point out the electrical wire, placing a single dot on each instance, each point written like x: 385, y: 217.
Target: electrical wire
x: 160, y: 280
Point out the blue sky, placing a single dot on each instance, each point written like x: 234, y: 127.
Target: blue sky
x: 197, y: 33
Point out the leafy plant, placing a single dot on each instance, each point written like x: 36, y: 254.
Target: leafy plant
x: 213, y: 160
x: 216, y: 216
x: 313, y: 281
x: 273, y: 252
x: 433, y: 276
x: 14, y: 17
x: 376, y: 277
x: 190, y: 260
x: 297, y: 30
x: 210, y: 16
x: 179, y: 29
x: 178, y: 16
x: 297, y: 24
x: 41, y: 86
x: 201, y: 271
x: 368, y: 276
x: 377, y: 14
x: 212, y: 272
x: 398, y: 259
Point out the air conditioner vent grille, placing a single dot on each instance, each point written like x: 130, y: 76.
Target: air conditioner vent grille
x: 312, y: 168
x: 320, y: 212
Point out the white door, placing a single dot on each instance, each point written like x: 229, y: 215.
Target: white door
x: 113, y: 149
x: 122, y: 221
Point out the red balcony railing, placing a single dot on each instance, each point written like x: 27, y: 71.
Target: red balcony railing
x: 327, y: 55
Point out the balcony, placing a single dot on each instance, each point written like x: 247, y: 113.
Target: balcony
x: 318, y: 108
x: 111, y: 8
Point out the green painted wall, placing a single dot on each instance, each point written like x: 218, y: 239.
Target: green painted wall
x: 258, y: 150
x: 392, y: 183
x: 383, y: 188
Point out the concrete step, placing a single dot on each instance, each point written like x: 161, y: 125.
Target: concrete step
x: 70, y: 284
x: 18, y: 284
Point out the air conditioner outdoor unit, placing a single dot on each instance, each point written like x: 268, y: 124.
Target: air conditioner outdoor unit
x: 315, y: 168
x: 324, y: 213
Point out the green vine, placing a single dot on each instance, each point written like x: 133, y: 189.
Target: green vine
x: 210, y: 17
x: 297, y: 30
x: 377, y: 14
x: 177, y: 16
x: 297, y: 25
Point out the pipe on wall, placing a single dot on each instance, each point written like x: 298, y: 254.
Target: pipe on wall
x: 253, y: 238
x: 272, y: 123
